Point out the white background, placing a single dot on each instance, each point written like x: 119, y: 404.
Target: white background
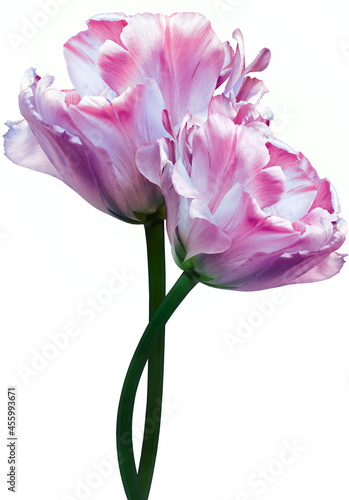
x: 229, y: 408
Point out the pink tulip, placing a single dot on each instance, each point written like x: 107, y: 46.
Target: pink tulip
x: 136, y: 77
x: 245, y: 211
x: 181, y: 52
x: 90, y: 143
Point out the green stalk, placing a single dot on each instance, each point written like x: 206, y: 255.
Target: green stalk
x: 179, y: 291
x: 154, y: 231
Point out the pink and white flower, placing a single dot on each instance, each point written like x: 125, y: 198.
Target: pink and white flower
x: 135, y: 79
x: 245, y: 211
x: 90, y: 143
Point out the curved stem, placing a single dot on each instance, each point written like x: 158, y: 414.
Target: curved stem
x: 179, y: 291
x: 154, y: 231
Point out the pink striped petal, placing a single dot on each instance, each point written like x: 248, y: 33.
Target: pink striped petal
x: 300, y: 191
x: 251, y: 90
x: 119, y: 127
x: 326, y: 197
x: 238, y: 84
x: 260, y: 63
x: 63, y: 149
x: 224, y: 154
x: 223, y: 105
x: 268, y: 186
x: 238, y: 66
x: 181, y: 52
x: 82, y: 51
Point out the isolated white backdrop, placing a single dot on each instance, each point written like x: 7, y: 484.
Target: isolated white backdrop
x: 230, y: 404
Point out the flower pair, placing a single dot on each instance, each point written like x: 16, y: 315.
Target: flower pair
x: 146, y: 133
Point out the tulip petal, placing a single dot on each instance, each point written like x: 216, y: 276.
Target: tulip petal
x: 81, y: 52
x: 63, y: 149
x: 300, y: 191
x: 326, y: 197
x: 200, y: 233
x: 291, y: 268
x: 22, y: 148
x: 256, y: 242
x: 268, y: 186
x: 172, y: 200
x: 238, y: 84
x: 148, y: 161
x: 223, y: 154
x: 182, y: 54
x: 229, y: 56
x: 152, y: 158
x: 119, y: 127
x: 190, y: 224
x: 183, y: 184
x: 260, y: 63
x: 238, y: 66
x: 222, y: 105
x: 251, y: 90
x: 328, y: 267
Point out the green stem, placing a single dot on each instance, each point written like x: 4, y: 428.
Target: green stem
x: 154, y: 231
x: 179, y: 291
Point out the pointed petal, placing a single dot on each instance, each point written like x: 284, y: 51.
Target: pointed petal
x: 238, y: 66
x: 81, y: 52
x: 241, y: 86
x: 260, y: 63
x: 326, y: 197
x: 252, y: 90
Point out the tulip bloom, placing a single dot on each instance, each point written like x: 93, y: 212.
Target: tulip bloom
x: 245, y: 211
x: 135, y: 78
